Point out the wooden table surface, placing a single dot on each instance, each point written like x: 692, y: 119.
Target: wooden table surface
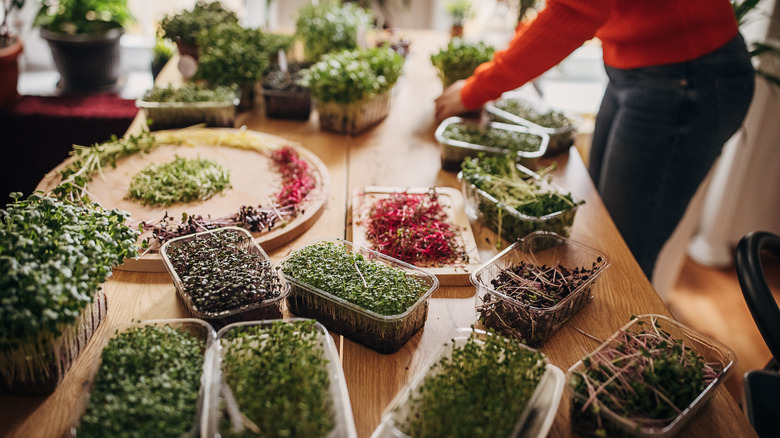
x: 401, y: 151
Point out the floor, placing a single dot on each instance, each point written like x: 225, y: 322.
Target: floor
x: 710, y: 300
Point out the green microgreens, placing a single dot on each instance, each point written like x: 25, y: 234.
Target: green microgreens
x: 648, y: 377
x: 181, y: 180
x: 459, y: 59
x: 219, y: 273
x: 328, y: 27
x: 279, y: 379
x: 147, y: 385
x: 547, y: 119
x: 499, y: 177
x: 371, y: 285
x: 54, y: 256
x: 492, y: 136
x: 497, y: 377
x: 190, y: 92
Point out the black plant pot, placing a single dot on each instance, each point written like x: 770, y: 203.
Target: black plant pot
x: 86, y: 63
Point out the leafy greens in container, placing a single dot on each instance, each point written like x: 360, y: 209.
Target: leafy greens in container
x: 459, y: 59
x: 328, y: 27
x: 53, y: 256
x: 366, y: 296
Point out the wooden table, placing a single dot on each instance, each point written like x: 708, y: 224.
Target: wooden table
x: 401, y: 151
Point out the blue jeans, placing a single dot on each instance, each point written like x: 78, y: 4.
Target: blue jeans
x: 658, y: 132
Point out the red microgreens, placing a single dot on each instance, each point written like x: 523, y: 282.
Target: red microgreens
x: 413, y: 228
x: 297, y: 178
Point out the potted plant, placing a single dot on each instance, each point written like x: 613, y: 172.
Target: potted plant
x: 10, y: 49
x: 232, y: 55
x: 352, y: 88
x: 329, y: 27
x: 185, y: 27
x: 55, y: 257
x: 370, y: 298
x: 458, y: 11
x: 84, y: 39
x: 459, y: 59
x: 280, y: 378
x: 284, y: 95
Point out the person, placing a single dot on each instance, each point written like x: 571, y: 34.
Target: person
x: 680, y: 83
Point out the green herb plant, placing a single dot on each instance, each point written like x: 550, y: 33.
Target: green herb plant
x: 353, y: 75
x: 520, y: 203
x: 492, y: 136
x: 225, y: 276
x: 179, y: 181
x: 231, y: 55
x: 185, y: 26
x: 147, y: 385
x: 54, y: 256
x: 329, y: 27
x: 645, y: 376
x: 83, y: 16
x: 278, y: 380
x: 368, y: 300
x: 189, y: 92
x: 489, y: 375
x: 458, y: 11
x: 459, y: 59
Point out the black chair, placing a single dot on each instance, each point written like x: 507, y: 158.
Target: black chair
x: 761, y: 387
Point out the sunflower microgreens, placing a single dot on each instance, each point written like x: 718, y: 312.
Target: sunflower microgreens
x: 414, y: 228
x: 645, y: 376
x: 147, y: 385
x: 278, y: 378
x: 497, y: 376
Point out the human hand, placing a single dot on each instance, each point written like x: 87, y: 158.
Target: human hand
x: 449, y: 103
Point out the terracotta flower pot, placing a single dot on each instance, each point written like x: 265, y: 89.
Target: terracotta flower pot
x: 9, y: 72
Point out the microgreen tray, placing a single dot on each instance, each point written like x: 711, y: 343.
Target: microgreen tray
x: 529, y: 323
x: 337, y: 397
x: 715, y: 354
x: 269, y: 308
x: 454, y: 151
x: 385, y: 333
x: 534, y: 421
x: 198, y: 331
x: 356, y: 117
x: 170, y: 115
x: 561, y: 138
x: 509, y: 223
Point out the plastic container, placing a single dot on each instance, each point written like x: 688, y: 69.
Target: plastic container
x: 287, y: 104
x: 534, y: 422
x: 712, y: 351
x: 453, y: 152
x: 342, y: 409
x: 530, y: 324
x: 382, y: 333
x: 561, y: 138
x: 195, y: 327
x: 50, y: 367
x: 356, y: 117
x: 509, y: 223
x: 267, y: 309
x: 170, y: 115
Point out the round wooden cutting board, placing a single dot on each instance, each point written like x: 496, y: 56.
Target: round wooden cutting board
x: 252, y: 177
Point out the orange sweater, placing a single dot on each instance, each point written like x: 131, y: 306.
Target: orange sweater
x: 633, y: 33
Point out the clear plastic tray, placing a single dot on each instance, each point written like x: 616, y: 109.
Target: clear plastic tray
x: 383, y: 333
x: 712, y: 351
x: 342, y: 409
x: 560, y: 138
x: 453, y: 152
x: 534, y: 422
x: 170, y: 115
x: 510, y: 223
x: 514, y: 318
x: 356, y: 117
x: 195, y: 327
x: 267, y: 309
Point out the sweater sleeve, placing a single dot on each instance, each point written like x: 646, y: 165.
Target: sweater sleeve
x: 559, y: 29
